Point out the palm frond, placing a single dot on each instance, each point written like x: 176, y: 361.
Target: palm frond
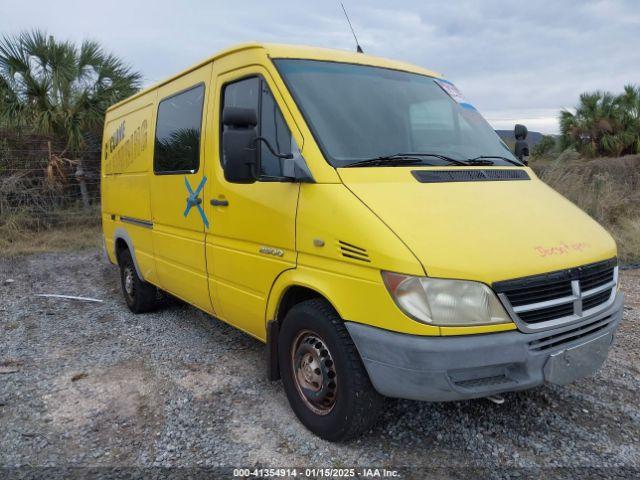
x: 604, y: 124
x: 58, y: 88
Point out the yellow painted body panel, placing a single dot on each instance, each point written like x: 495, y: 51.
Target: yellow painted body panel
x: 332, y: 214
x: 259, y: 215
x: 276, y: 235
x: 354, y: 296
x: 179, y: 240
x: 127, y: 153
x: 483, y: 231
x: 142, y: 243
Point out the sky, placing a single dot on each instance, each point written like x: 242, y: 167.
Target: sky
x: 516, y: 61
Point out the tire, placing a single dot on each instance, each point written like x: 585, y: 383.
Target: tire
x: 323, y: 376
x: 140, y: 296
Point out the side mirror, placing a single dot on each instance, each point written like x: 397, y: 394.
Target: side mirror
x: 239, y: 145
x: 521, y: 149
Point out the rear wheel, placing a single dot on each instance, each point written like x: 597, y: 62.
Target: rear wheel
x: 322, y: 373
x: 140, y: 296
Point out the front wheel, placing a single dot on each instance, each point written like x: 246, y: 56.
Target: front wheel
x: 322, y: 373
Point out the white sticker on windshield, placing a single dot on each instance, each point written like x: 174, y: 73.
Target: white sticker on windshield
x: 454, y: 93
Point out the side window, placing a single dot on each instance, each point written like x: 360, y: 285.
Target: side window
x: 178, y: 127
x: 244, y: 94
x: 275, y: 130
x: 254, y: 93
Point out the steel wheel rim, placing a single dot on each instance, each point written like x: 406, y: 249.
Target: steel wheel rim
x: 314, y: 372
x: 129, y: 286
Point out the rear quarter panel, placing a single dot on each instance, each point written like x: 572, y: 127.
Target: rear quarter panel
x: 127, y: 154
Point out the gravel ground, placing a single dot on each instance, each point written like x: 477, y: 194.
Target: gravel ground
x: 90, y: 384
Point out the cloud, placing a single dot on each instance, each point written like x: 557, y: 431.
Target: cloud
x: 516, y: 61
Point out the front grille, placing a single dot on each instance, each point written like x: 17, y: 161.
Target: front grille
x: 595, y: 278
x: 552, y: 299
x: 595, y: 300
x: 540, y: 293
x: 546, y: 314
x: 558, y: 339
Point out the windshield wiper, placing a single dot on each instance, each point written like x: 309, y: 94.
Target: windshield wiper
x: 397, y: 159
x: 480, y: 162
x: 411, y: 158
x: 404, y: 159
x: 487, y: 158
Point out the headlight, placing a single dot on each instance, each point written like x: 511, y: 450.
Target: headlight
x: 438, y: 301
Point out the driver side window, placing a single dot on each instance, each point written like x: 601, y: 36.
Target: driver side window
x: 254, y: 93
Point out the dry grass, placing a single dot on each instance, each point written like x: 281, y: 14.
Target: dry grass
x: 608, y: 189
x: 14, y: 242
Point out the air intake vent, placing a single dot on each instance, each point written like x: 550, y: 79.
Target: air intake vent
x: 475, y: 175
x: 351, y: 251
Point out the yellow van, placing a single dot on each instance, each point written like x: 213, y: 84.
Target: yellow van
x: 362, y: 219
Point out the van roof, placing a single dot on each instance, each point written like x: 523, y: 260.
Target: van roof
x: 274, y: 50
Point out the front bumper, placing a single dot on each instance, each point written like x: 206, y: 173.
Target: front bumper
x: 472, y: 366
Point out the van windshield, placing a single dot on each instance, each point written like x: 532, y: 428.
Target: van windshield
x: 359, y: 112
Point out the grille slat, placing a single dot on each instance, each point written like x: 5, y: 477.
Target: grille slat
x: 569, y: 285
x: 551, y: 341
x: 545, y: 314
x: 595, y: 300
x: 540, y: 294
x: 591, y: 281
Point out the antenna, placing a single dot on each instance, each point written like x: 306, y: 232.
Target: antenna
x: 358, y: 47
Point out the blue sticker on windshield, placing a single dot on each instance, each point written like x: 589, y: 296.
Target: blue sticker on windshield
x: 451, y: 90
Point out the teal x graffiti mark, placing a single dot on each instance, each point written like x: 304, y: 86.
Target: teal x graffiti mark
x: 193, y: 200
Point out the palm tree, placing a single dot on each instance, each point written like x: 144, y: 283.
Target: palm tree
x: 630, y: 103
x: 593, y: 121
x: 59, y: 89
x: 603, y: 124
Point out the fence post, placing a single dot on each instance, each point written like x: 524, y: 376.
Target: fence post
x: 80, y: 177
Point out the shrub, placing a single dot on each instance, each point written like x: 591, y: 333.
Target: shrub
x: 547, y: 145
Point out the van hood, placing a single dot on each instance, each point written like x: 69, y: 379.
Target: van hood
x: 481, y: 230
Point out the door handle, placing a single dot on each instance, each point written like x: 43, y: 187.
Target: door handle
x: 196, y: 201
x: 219, y: 203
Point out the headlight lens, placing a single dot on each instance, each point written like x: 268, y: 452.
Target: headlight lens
x: 438, y: 301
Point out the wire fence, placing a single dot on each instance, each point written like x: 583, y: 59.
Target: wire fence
x: 42, y: 188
